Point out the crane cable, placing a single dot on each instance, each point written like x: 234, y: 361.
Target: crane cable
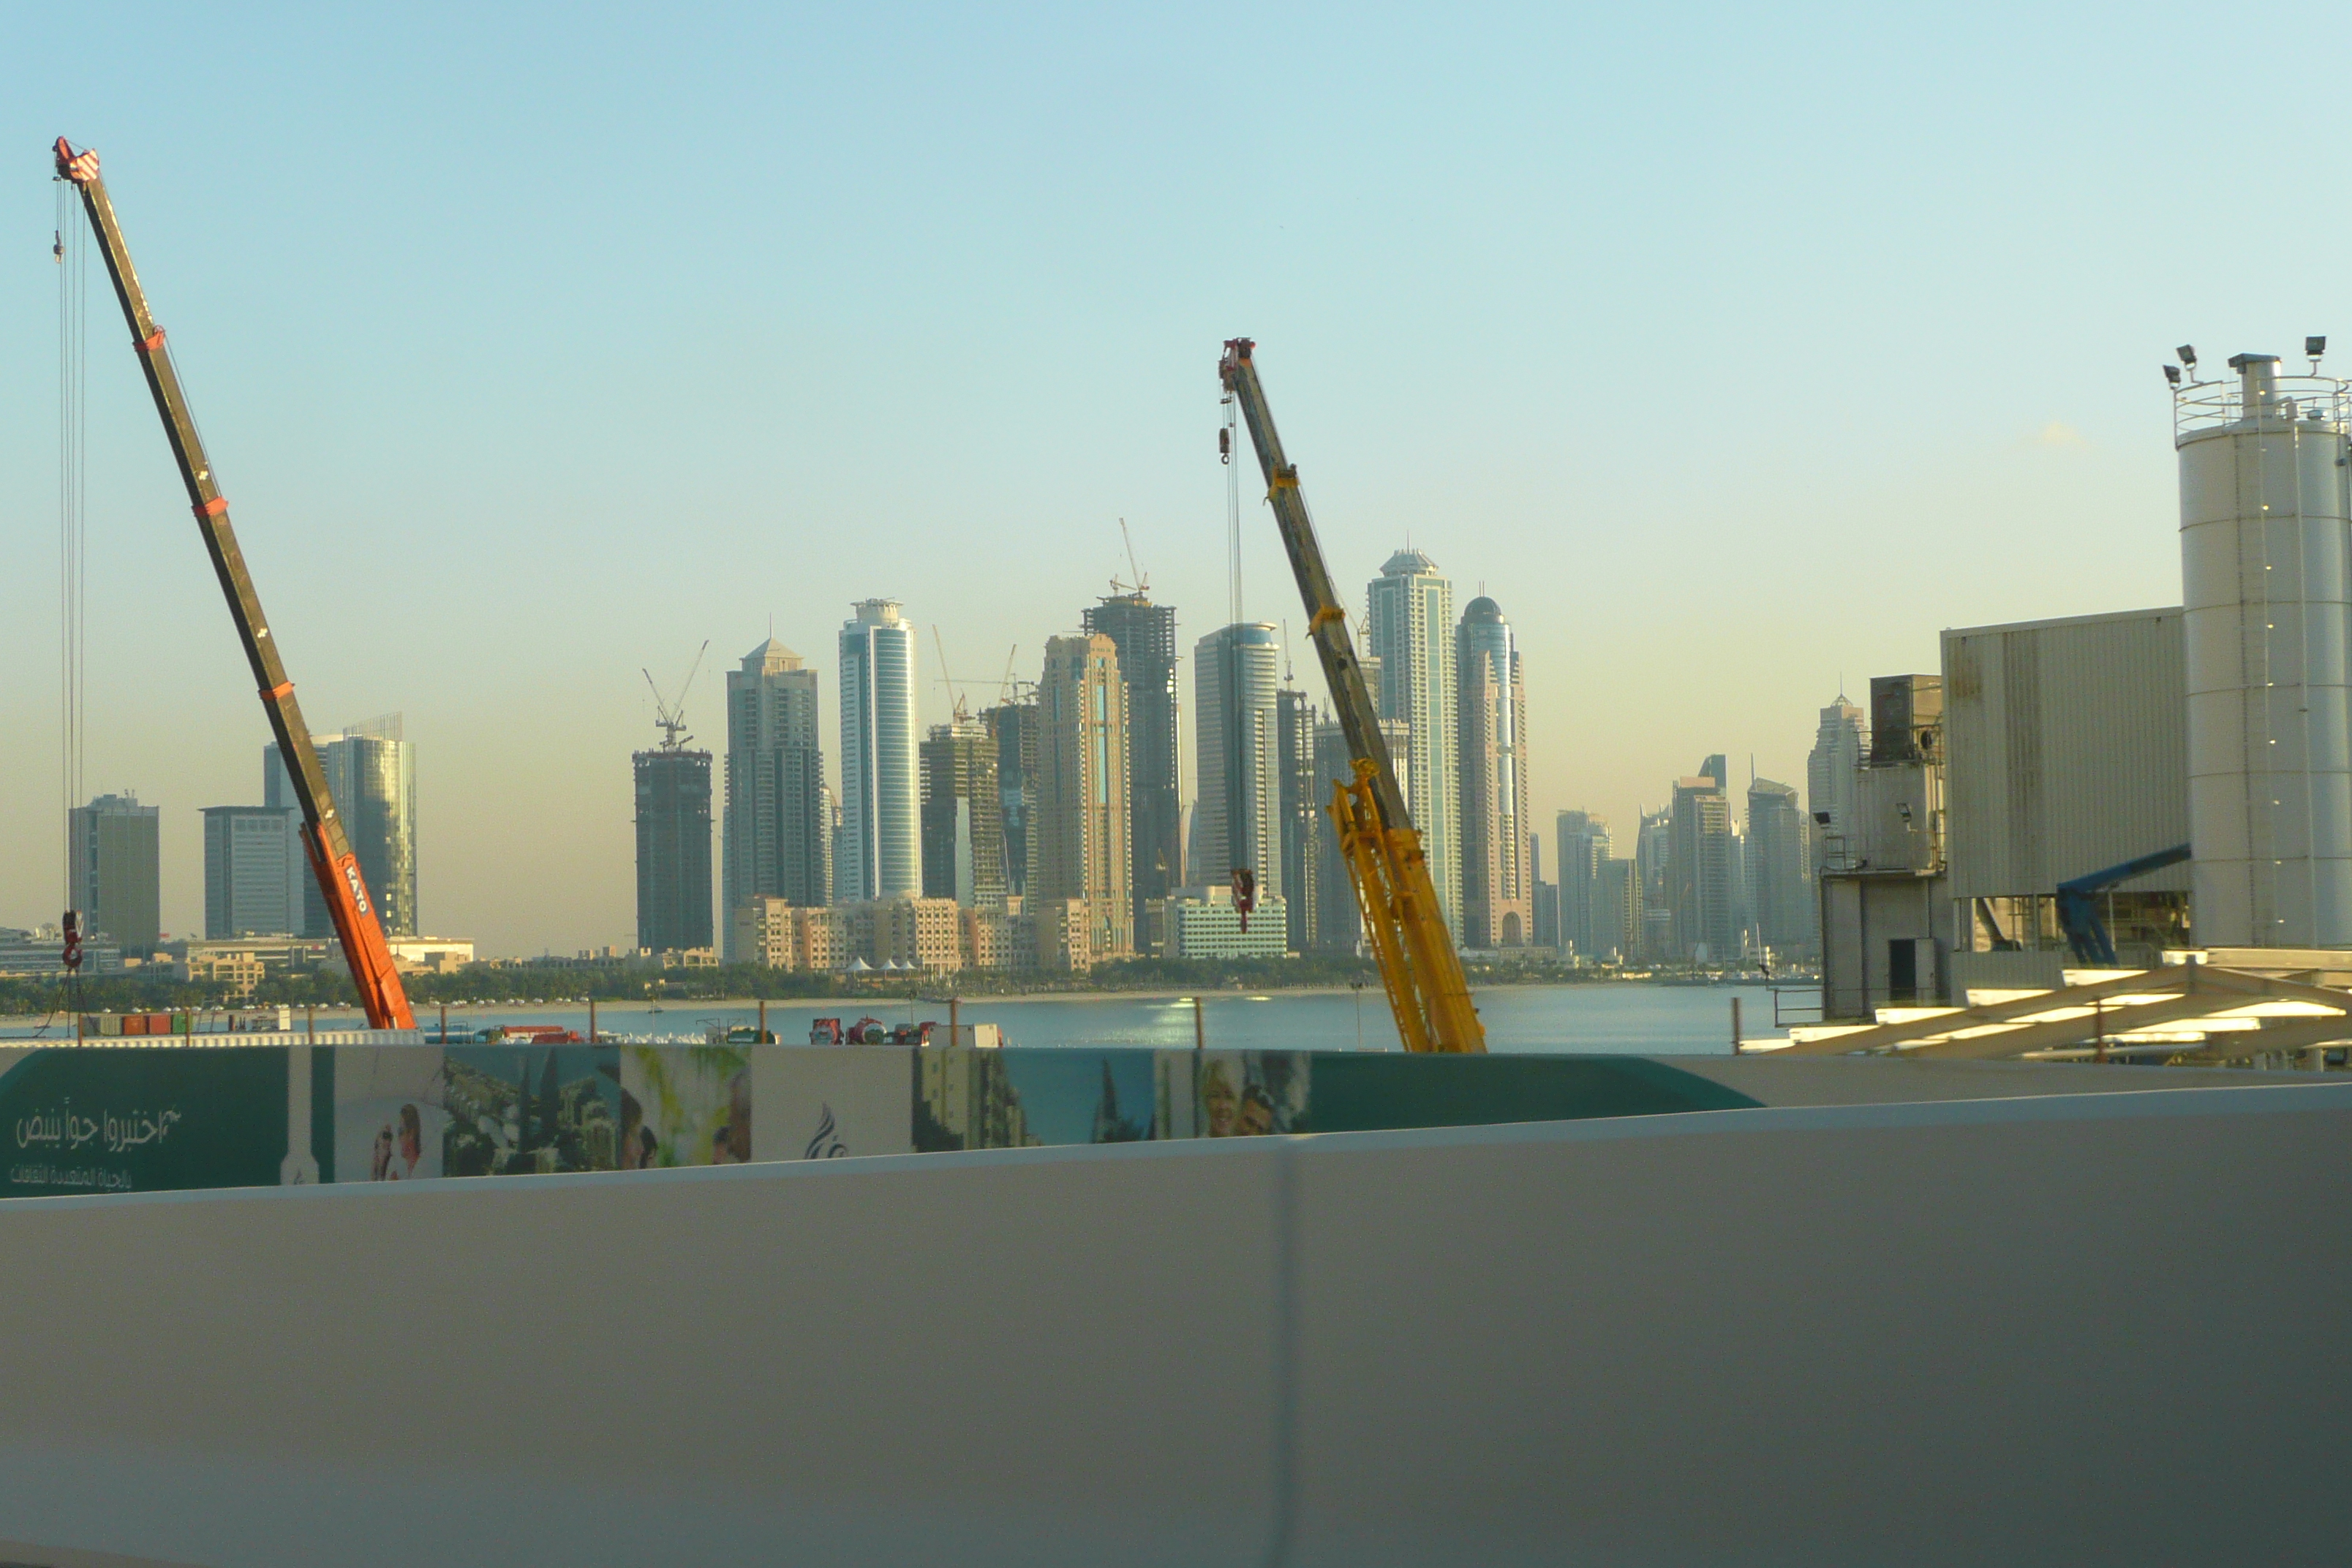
x: 71, y: 249
x: 1235, y: 706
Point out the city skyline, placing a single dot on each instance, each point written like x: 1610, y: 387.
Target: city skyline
x: 662, y: 473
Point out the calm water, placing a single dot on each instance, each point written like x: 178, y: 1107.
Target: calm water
x: 1629, y: 1016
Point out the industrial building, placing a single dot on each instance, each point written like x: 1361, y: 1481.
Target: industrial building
x: 2067, y: 754
x: 1886, y: 917
x: 2263, y: 508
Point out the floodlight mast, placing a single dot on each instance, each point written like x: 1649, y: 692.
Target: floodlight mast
x: 1403, y: 921
x: 329, y: 847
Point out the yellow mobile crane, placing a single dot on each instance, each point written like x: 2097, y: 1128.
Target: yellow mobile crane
x: 1402, y: 921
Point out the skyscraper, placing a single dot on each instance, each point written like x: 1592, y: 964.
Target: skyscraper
x: 1582, y: 842
x: 1784, y: 876
x: 778, y: 826
x: 254, y: 871
x: 1830, y: 776
x: 1617, y: 912
x: 1547, y: 928
x: 673, y: 791
x: 964, y: 815
x: 1145, y: 635
x: 1301, y: 808
x: 1014, y: 727
x: 1652, y: 875
x: 1497, y: 888
x: 371, y: 773
x: 117, y: 880
x: 1411, y: 632
x: 1236, y: 824
x: 880, y: 851
x: 1081, y: 823
x: 1701, y: 870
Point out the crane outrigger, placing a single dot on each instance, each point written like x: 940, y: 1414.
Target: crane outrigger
x: 1403, y: 918
x: 330, y: 848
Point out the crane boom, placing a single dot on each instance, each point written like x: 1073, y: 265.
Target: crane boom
x: 330, y: 848
x: 1403, y: 918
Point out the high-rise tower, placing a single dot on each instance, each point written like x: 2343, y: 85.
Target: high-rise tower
x: 1831, y: 773
x: 1300, y: 810
x: 117, y: 880
x: 880, y: 850
x: 1411, y: 632
x: 777, y: 833
x: 1583, y: 849
x: 1235, y: 825
x: 964, y: 815
x: 1702, y: 892
x: 371, y: 771
x: 254, y: 871
x: 1080, y: 828
x: 1783, y: 872
x: 1014, y: 727
x: 1497, y: 888
x: 1145, y: 635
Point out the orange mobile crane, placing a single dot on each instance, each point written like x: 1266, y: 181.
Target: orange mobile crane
x: 329, y: 847
x: 1402, y: 920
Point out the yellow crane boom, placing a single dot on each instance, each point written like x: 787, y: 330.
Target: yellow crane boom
x: 1402, y: 920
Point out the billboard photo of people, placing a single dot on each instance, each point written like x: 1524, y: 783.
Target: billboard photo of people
x: 1242, y: 1094
x: 390, y: 1123
x: 685, y: 1106
x: 530, y: 1109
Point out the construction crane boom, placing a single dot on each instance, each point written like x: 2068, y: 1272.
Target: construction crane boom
x: 338, y: 869
x: 1403, y: 918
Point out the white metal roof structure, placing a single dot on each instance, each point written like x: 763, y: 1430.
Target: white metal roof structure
x: 2188, y: 1012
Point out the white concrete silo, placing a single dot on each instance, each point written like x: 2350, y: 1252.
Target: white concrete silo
x: 2268, y: 622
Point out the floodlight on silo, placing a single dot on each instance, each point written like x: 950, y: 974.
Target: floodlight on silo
x: 2312, y: 348
x: 2187, y: 353
x: 2172, y: 375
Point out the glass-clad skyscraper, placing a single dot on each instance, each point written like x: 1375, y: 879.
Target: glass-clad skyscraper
x: 1411, y: 632
x: 879, y: 854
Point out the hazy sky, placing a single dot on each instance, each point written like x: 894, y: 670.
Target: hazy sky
x: 1734, y: 350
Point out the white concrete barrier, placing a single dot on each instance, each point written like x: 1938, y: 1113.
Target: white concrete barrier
x: 2079, y: 1329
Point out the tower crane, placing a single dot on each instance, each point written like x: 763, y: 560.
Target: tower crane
x: 669, y: 718
x: 329, y: 847
x: 1402, y: 920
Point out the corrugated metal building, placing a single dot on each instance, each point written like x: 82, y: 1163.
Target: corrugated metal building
x: 2066, y: 751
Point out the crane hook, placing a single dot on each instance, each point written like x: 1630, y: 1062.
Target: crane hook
x: 1225, y: 444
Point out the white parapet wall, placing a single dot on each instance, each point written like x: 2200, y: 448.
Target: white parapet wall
x: 2078, y: 1329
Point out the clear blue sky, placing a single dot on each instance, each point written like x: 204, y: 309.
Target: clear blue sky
x: 1732, y: 349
